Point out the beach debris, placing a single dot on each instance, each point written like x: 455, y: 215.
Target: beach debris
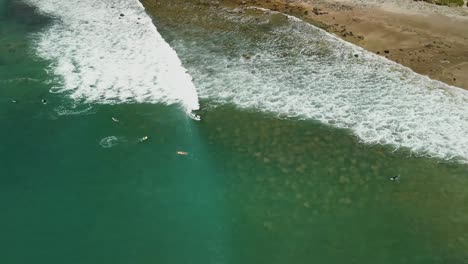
x: 44, y: 101
x: 194, y: 116
x: 143, y: 139
x: 183, y: 153
x: 115, y: 119
x: 395, y: 178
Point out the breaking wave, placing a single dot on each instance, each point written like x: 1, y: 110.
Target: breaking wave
x: 280, y: 64
x: 110, y: 52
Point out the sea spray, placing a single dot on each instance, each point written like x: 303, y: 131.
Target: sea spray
x: 110, y: 52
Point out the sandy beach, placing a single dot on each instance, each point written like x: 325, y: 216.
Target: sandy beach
x: 430, y: 39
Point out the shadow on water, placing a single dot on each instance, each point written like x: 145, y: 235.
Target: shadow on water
x: 22, y: 74
x: 23, y: 15
x: 17, y: 22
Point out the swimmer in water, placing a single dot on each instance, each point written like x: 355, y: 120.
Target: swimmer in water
x: 44, y: 101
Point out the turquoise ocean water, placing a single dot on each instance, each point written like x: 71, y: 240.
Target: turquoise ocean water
x: 257, y: 186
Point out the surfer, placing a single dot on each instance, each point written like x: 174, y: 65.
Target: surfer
x: 143, y: 139
x: 395, y: 178
x: 194, y: 116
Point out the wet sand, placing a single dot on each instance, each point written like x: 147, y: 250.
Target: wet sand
x: 431, y: 40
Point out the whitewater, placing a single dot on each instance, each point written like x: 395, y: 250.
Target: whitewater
x: 282, y: 65
x: 111, y: 52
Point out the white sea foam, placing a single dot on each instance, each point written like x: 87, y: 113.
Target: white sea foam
x: 74, y: 109
x: 19, y: 80
x: 297, y: 70
x: 105, y: 57
x: 111, y: 141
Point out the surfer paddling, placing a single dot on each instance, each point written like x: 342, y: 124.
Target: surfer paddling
x: 143, y: 139
x: 395, y: 178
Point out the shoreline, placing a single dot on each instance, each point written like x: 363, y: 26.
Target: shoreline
x: 429, y: 39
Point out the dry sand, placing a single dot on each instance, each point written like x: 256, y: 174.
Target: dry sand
x: 432, y: 40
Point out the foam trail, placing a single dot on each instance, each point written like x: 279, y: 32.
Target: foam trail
x: 283, y: 65
x: 111, y: 141
x: 110, y: 52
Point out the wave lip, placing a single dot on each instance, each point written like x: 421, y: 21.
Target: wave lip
x: 110, y: 52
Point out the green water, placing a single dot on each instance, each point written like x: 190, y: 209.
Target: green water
x: 253, y: 189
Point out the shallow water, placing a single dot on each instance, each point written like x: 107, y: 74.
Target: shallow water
x: 77, y: 187
x: 281, y: 65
